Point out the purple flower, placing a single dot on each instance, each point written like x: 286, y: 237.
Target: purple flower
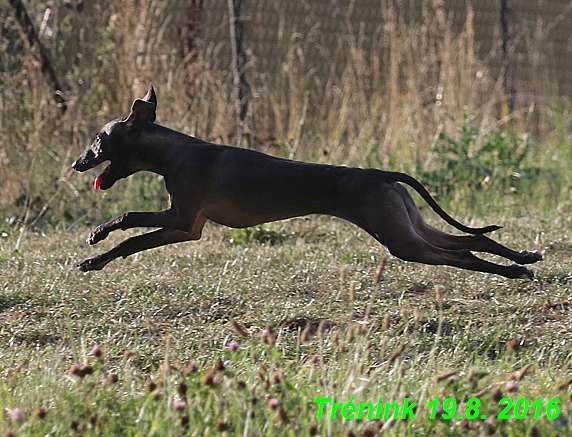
x: 179, y: 405
x: 96, y: 351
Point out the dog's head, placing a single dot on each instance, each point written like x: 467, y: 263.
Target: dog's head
x: 113, y: 143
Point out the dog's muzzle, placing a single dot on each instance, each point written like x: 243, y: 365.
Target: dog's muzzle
x: 87, y: 161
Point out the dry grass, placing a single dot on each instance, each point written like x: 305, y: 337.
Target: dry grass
x: 337, y: 331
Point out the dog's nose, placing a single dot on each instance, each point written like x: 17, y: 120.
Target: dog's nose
x: 85, y: 161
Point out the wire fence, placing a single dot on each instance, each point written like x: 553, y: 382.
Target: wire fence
x: 508, y: 34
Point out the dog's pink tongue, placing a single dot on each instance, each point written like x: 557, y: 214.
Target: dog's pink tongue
x: 97, y: 182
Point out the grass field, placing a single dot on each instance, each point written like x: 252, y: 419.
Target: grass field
x: 234, y: 335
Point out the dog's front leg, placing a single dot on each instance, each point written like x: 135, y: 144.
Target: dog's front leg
x: 160, y: 237
x: 162, y: 219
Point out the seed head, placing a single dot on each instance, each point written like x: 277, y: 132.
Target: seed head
x: 512, y: 345
x: 282, y: 418
x: 313, y: 430
x: 306, y: 332
x: 239, y: 328
x: 75, y: 370
x: 208, y: 378
x: 128, y: 355
x: 41, y: 413
x: 221, y: 425
x: 352, y: 291
x: 182, y: 389
x: 379, y: 272
x: 87, y: 370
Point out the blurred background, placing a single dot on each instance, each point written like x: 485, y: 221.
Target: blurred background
x: 471, y: 97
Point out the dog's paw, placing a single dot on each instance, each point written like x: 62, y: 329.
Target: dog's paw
x: 528, y: 274
x: 522, y: 272
x: 85, y: 266
x: 97, y: 235
x: 530, y: 257
x: 91, y: 264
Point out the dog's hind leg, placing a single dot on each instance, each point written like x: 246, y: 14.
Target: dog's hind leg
x: 390, y: 222
x: 476, y: 243
x: 418, y: 250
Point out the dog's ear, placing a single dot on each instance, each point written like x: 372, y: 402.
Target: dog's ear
x: 151, y: 97
x: 143, y: 111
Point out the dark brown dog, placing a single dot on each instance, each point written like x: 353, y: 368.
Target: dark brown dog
x: 240, y: 188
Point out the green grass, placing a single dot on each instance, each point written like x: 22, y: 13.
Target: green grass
x: 421, y: 332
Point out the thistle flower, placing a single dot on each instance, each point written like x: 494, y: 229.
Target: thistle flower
x: 17, y: 415
x: 96, y: 351
x: 179, y: 405
x: 511, y: 386
x: 193, y: 367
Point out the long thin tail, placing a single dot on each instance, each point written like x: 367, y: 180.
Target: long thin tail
x: 417, y: 186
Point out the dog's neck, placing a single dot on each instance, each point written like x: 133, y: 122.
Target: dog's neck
x: 154, y: 149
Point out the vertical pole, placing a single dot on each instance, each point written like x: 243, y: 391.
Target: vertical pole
x: 242, y: 92
x: 506, y: 53
x: 191, y: 34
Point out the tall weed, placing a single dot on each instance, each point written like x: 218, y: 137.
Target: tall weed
x: 473, y: 167
x: 382, y: 101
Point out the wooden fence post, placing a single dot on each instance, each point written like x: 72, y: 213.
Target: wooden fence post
x: 507, y: 50
x: 242, y: 92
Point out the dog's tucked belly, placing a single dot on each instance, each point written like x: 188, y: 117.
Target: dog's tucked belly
x: 244, y: 216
